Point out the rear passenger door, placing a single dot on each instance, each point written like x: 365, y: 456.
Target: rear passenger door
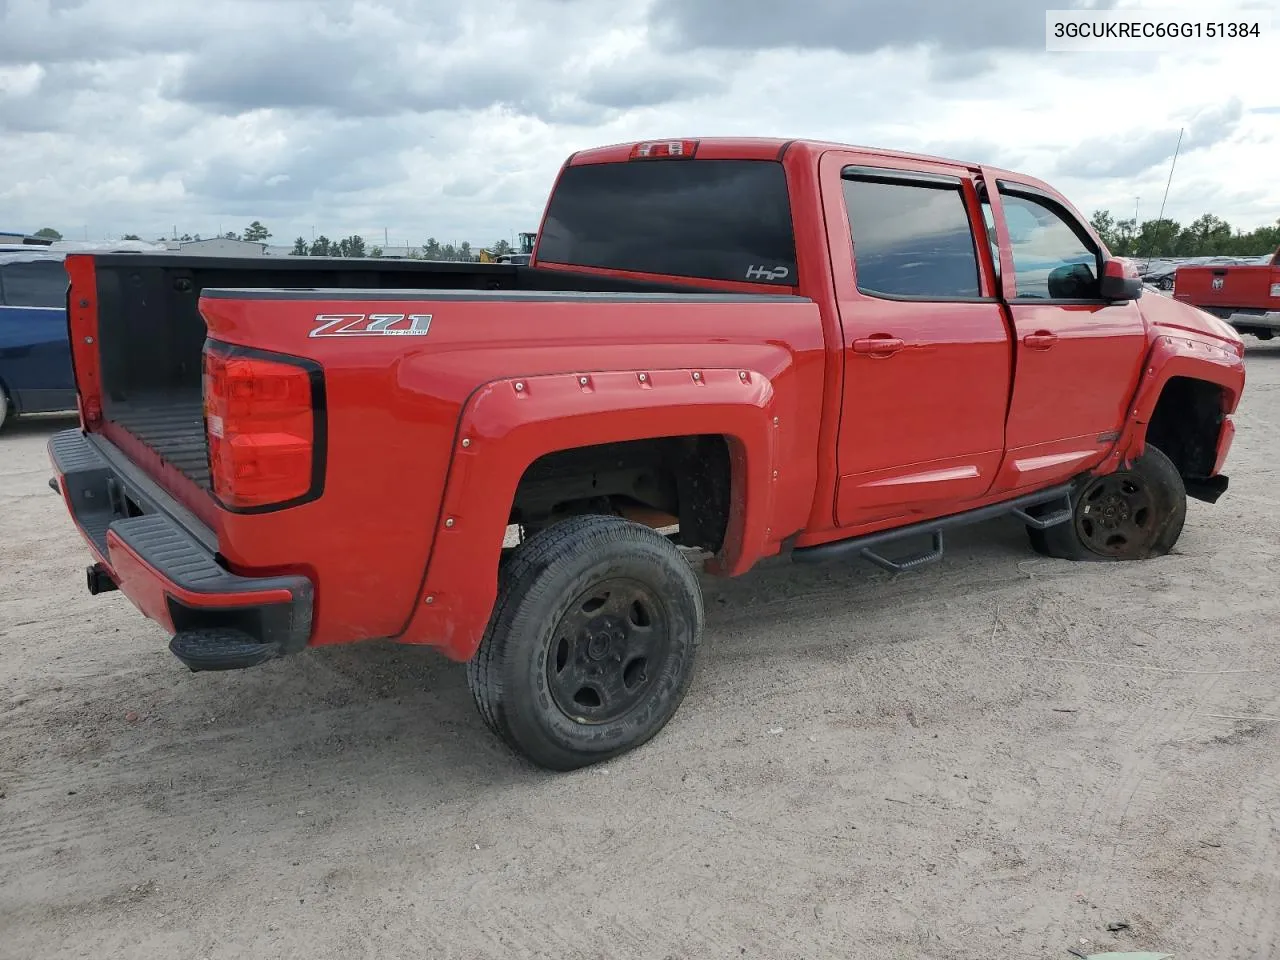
x: 927, y: 360
x: 1078, y: 356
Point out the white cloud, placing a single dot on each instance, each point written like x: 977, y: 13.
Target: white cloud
x: 358, y: 115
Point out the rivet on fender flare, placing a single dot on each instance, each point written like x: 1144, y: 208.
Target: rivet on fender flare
x: 431, y: 599
x: 466, y: 441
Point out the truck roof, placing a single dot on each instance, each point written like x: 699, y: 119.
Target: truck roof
x: 762, y: 148
x: 774, y: 148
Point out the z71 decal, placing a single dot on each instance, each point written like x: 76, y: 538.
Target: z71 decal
x: 372, y: 325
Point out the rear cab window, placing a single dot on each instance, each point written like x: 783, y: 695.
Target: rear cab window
x: 34, y: 283
x: 721, y: 220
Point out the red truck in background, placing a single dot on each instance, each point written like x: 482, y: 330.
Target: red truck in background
x: 749, y: 347
x: 1245, y: 295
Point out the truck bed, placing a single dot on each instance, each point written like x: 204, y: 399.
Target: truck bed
x: 151, y: 334
x: 172, y: 425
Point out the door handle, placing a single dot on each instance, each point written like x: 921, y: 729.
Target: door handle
x: 880, y: 345
x: 1040, y: 340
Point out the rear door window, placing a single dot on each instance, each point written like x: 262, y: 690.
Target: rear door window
x: 709, y: 219
x: 38, y: 283
x: 911, y: 239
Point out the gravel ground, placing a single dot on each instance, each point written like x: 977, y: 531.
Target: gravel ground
x: 994, y: 757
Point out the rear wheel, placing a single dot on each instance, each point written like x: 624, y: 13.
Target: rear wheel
x: 4, y: 407
x: 592, y: 643
x: 1132, y: 514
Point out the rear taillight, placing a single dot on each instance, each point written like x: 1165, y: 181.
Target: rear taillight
x: 262, y: 415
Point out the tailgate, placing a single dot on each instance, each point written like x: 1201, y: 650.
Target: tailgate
x: 1249, y: 287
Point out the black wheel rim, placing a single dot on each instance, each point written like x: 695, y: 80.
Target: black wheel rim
x: 607, y: 651
x: 1116, y: 516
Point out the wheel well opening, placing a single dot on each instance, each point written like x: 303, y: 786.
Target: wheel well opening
x: 1185, y: 425
x: 664, y: 482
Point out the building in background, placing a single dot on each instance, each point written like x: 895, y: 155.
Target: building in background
x: 218, y: 247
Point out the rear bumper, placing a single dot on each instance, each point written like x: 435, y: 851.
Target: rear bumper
x: 163, y: 564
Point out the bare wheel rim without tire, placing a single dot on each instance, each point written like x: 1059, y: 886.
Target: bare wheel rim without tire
x: 607, y: 651
x: 1116, y: 516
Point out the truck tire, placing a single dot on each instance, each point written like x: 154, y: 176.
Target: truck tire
x: 1132, y: 514
x: 592, y: 642
x: 4, y: 406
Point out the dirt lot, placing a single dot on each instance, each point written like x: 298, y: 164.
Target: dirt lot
x: 995, y: 757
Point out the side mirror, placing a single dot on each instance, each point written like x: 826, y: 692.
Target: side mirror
x: 1120, y: 281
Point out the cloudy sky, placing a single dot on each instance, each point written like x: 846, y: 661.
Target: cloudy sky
x: 450, y: 119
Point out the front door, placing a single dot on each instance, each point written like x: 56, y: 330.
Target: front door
x: 1078, y: 357
x: 926, y: 346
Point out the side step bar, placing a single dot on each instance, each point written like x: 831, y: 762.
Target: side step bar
x: 1039, y: 510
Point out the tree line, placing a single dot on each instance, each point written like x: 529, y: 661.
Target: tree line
x: 433, y: 249
x: 1206, y: 236
x: 322, y: 246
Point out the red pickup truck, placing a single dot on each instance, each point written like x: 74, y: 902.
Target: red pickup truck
x: 747, y: 347
x: 1245, y: 295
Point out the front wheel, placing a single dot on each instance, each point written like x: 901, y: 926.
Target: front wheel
x: 592, y: 643
x: 1132, y: 514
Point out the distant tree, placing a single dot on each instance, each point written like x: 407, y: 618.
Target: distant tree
x: 447, y: 252
x: 320, y: 247
x: 1205, y: 233
x: 230, y: 235
x: 300, y: 248
x: 431, y: 250
x: 464, y: 251
x: 1155, y: 236
x: 256, y: 232
x: 48, y: 233
x: 196, y: 237
x: 375, y: 252
x: 352, y: 246
x: 131, y: 236
x: 1105, y: 225
x: 1126, y: 237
